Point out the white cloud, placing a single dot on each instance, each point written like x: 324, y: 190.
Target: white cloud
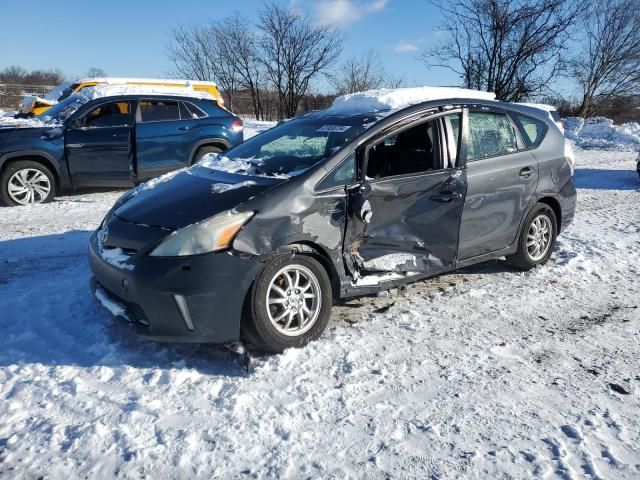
x: 345, y: 12
x: 405, y: 47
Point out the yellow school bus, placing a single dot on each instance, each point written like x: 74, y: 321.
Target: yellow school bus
x: 32, y: 105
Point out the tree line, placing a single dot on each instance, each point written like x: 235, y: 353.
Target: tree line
x: 273, y: 62
x: 519, y: 49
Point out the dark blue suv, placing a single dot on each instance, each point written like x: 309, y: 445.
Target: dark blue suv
x: 110, y: 142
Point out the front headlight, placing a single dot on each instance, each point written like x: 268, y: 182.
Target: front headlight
x: 211, y: 235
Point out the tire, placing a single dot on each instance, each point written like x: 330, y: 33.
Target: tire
x: 202, y: 151
x: 259, y: 326
x: 540, y: 219
x: 40, y: 183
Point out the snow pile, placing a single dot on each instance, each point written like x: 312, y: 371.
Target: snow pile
x: 254, y: 127
x: 397, y: 98
x: 35, y: 122
x: 600, y: 132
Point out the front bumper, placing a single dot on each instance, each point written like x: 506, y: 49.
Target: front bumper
x: 157, y: 291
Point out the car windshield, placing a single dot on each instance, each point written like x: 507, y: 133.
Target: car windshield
x: 61, y: 110
x: 292, y: 147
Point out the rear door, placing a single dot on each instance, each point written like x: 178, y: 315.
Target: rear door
x: 502, y: 178
x: 163, y: 137
x: 98, y: 145
x: 405, y: 215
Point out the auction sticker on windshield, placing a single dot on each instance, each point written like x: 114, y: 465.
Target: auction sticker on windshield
x: 334, y: 128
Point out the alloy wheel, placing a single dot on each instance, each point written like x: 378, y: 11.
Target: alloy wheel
x: 28, y: 186
x: 293, y: 300
x: 539, y: 237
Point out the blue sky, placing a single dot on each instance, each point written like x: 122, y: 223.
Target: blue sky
x: 129, y: 38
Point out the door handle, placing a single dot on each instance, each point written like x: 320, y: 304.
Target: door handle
x: 183, y: 128
x: 526, y: 172
x: 444, y: 196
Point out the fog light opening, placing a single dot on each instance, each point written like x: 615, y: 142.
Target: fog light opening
x: 184, y: 311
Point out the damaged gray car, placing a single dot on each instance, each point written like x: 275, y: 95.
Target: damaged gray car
x: 257, y: 245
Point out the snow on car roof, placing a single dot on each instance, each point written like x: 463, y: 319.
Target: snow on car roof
x: 540, y: 106
x: 398, y: 98
x: 114, y: 90
x: 118, y: 80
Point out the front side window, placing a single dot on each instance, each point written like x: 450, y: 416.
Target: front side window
x: 114, y: 114
x: 159, y: 110
x: 342, y: 175
x: 413, y: 150
x: 490, y: 134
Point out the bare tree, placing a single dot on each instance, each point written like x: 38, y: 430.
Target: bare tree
x: 94, y: 72
x: 357, y: 74
x: 294, y: 52
x: 238, y: 48
x: 196, y: 54
x: 609, y: 64
x: 511, y: 47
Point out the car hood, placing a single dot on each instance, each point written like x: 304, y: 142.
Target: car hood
x: 188, y: 196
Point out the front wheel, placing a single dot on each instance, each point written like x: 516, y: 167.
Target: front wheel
x: 537, y: 238
x: 26, y: 182
x: 288, y: 305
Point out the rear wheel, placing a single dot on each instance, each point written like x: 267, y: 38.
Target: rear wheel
x: 25, y: 183
x: 537, y: 238
x: 202, y: 151
x: 288, y: 305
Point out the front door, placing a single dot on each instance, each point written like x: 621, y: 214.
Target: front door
x: 502, y: 178
x: 98, y: 146
x: 405, y: 216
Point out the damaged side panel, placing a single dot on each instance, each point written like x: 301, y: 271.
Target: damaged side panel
x: 405, y: 224
x: 297, y: 215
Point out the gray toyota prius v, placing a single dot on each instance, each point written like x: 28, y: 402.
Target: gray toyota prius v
x: 257, y: 243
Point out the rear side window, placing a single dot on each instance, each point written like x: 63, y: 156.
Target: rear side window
x: 532, y: 129
x: 194, y: 112
x: 490, y: 134
x: 159, y: 110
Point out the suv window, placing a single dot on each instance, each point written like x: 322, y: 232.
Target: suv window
x: 159, y: 110
x: 194, y: 111
x: 114, y: 114
x: 490, y: 134
x: 413, y: 150
x: 532, y: 128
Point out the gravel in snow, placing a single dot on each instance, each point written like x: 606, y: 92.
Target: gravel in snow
x: 483, y: 373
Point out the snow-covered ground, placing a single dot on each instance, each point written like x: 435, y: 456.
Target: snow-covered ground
x: 485, y: 373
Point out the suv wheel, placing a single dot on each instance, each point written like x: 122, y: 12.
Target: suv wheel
x: 288, y: 305
x: 25, y: 183
x: 537, y: 238
x: 202, y: 151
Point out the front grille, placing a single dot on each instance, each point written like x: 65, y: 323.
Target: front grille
x: 136, y: 313
x: 133, y: 310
